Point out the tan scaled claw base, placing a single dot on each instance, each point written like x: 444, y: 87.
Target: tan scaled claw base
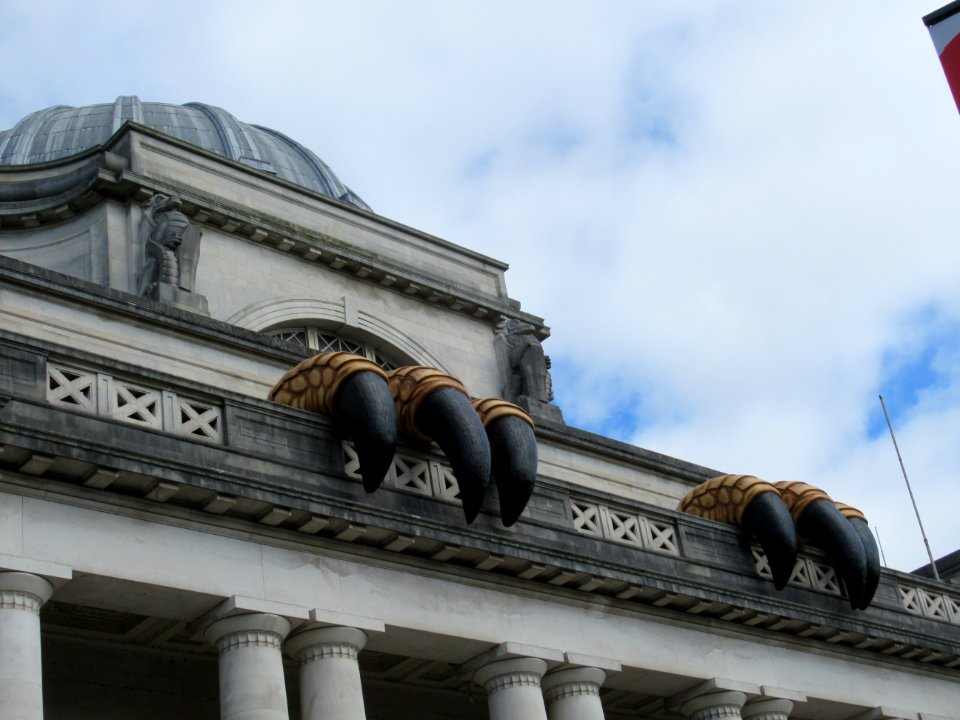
x: 724, y: 498
x: 754, y: 505
x: 313, y: 383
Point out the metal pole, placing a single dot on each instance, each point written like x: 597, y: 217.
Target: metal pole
x: 876, y: 531
x: 896, y: 447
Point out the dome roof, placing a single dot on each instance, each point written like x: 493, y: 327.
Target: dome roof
x: 62, y: 131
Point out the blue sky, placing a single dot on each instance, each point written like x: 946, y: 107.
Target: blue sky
x: 739, y: 224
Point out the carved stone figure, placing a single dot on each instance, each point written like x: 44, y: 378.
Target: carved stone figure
x: 529, y: 374
x: 171, y: 251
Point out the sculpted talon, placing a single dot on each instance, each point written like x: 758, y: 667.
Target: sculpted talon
x: 754, y: 505
x: 859, y: 522
x: 433, y: 406
x: 365, y: 409
x: 353, y: 391
x: 820, y: 523
x: 513, y: 448
x: 767, y: 519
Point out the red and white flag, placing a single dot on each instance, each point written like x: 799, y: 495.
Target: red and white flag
x: 944, y: 26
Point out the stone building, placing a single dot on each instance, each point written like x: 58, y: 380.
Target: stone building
x: 174, y: 545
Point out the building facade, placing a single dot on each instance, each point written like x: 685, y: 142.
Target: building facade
x: 173, y: 544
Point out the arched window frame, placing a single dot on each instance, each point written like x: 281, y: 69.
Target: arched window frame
x: 337, y: 315
x: 314, y: 339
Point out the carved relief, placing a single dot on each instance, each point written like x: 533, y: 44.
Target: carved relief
x: 171, y: 251
x: 528, y: 367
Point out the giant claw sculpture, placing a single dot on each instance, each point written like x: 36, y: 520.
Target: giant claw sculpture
x: 754, y: 505
x: 776, y: 514
x: 479, y: 438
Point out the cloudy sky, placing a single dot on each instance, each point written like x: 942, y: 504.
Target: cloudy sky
x: 738, y: 218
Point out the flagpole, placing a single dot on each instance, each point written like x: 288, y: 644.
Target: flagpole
x: 896, y: 447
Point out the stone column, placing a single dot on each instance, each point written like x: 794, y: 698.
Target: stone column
x: 767, y: 709
x: 329, y: 673
x: 513, y: 688
x: 21, y: 674
x: 574, y: 694
x: 714, y: 706
x: 251, y: 666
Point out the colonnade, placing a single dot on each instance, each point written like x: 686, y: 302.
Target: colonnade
x: 519, y: 682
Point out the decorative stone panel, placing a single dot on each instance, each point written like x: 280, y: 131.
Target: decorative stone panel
x: 936, y: 606
x: 134, y: 403
x: 807, y: 573
x: 74, y: 388
x: 624, y: 526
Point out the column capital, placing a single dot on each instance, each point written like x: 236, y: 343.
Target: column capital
x: 320, y: 643
x: 247, y: 630
x: 569, y: 682
x: 514, y: 672
x: 767, y: 709
x: 715, y: 705
x: 23, y: 591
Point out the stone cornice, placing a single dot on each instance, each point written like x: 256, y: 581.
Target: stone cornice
x: 349, y: 208
x: 335, y: 255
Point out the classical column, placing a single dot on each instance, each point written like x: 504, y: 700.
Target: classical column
x: 329, y: 673
x: 21, y: 675
x: 574, y: 693
x: 715, y: 705
x: 767, y: 709
x: 513, y: 688
x: 251, y: 666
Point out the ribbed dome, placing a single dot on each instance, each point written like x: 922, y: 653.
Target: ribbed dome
x: 62, y: 131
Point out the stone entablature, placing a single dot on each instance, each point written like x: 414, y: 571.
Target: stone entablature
x: 283, y: 471
x: 292, y: 220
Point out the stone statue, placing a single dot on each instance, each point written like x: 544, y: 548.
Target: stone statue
x: 528, y: 367
x: 171, y: 251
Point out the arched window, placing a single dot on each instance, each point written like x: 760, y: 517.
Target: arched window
x: 314, y: 340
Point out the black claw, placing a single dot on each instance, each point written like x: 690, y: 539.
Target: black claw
x: 513, y: 448
x: 767, y: 518
x: 826, y: 528
x: 364, y: 408
x: 872, y: 555
x: 447, y: 417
